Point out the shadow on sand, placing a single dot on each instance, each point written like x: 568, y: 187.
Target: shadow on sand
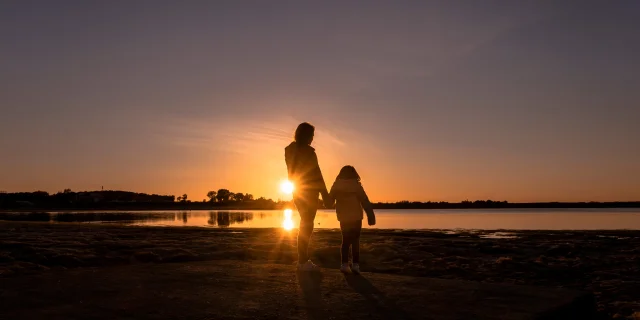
x: 380, y: 303
x: 310, y: 283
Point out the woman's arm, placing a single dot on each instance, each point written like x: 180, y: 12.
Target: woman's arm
x: 327, y: 198
x: 319, y: 180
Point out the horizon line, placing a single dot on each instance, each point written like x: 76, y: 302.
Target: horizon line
x: 380, y: 202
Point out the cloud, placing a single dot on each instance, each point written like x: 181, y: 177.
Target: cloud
x: 236, y: 134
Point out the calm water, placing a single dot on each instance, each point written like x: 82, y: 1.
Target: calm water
x: 489, y: 219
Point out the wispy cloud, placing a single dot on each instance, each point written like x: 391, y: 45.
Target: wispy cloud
x: 237, y: 134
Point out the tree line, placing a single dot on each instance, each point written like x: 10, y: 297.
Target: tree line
x: 224, y: 195
x: 491, y: 204
x: 224, y: 198
x: 110, y: 199
x: 67, y: 197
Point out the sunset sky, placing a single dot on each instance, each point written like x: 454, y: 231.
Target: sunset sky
x: 441, y: 101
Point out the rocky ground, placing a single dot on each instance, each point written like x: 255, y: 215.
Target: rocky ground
x: 603, y: 262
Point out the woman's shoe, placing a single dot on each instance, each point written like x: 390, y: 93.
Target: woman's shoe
x: 308, y: 267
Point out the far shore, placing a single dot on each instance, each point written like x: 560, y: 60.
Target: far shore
x: 286, y: 205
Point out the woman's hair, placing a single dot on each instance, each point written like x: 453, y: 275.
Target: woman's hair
x: 304, y: 133
x: 348, y: 172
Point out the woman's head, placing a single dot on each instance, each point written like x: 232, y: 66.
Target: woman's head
x: 304, y: 133
x: 347, y: 173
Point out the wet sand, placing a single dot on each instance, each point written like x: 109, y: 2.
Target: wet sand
x: 237, y: 290
x: 602, y: 262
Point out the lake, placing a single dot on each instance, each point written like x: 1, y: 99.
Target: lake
x: 480, y: 219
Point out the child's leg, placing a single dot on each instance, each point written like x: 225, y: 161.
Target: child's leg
x: 355, y: 243
x: 346, y: 241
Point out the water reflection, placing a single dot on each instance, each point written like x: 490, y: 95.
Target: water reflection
x: 215, y: 218
x: 185, y: 217
x: 287, y: 223
x: 225, y: 219
x: 550, y: 219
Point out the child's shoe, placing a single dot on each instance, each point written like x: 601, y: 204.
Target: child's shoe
x: 344, y: 268
x: 355, y: 268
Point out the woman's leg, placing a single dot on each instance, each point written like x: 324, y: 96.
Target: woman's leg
x: 304, y: 237
x: 355, y: 242
x: 307, y: 208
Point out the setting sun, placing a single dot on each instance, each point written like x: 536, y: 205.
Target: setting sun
x: 286, y: 187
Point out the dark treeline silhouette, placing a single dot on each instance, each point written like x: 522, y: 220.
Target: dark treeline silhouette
x: 87, y: 199
x: 226, y: 196
x: 125, y: 200
x: 225, y: 199
x: 490, y: 204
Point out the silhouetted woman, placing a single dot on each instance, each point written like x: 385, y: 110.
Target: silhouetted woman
x: 304, y: 172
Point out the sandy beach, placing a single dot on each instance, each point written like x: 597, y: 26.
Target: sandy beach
x: 602, y: 262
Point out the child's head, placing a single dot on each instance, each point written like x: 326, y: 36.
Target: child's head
x: 348, y: 172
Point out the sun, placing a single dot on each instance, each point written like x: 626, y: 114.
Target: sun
x: 286, y: 187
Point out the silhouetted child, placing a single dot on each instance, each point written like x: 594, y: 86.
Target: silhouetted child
x: 351, y: 200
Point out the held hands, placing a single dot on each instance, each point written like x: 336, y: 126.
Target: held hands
x: 328, y: 202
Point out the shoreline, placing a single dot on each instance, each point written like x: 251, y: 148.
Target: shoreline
x: 99, y: 210
x: 603, y: 262
x: 376, y: 206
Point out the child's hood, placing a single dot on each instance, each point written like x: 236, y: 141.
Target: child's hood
x: 346, y: 185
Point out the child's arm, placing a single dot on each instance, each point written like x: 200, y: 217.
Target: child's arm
x: 367, y: 206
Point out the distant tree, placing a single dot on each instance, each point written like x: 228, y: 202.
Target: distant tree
x: 248, y: 197
x: 66, y: 191
x: 212, y: 196
x: 238, y: 196
x: 223, y: 195
x: 179, y: 199
x: 184, y: 197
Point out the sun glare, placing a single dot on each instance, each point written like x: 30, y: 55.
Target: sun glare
x: 286, y: 187
x: 287, y: 224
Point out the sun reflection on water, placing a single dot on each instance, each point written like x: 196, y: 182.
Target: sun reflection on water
x: 287, y: 223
